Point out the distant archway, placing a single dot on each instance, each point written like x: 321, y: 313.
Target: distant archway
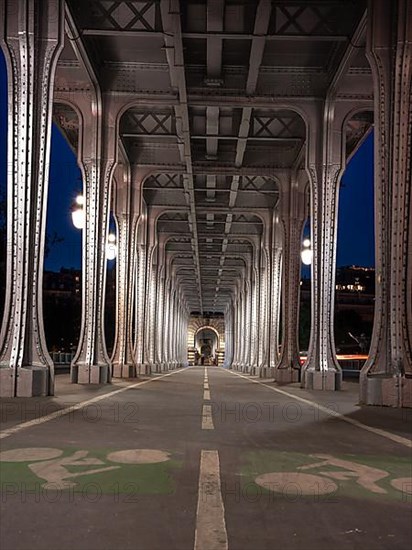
x: 206, y: 327
x: 206, y: 343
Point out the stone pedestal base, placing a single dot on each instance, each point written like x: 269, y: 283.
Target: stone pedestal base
x: 267, y: 372
x: 6, y: 382
x: 144, y: 369
x: 322, y: 380
x: 124, y: 371
x: 90, y: 374
x: 287, y: 376
x: 388, y: 391
x: 31, y: 382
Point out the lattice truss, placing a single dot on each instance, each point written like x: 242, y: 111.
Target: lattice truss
x: 148, y: 123
x: 308, y: 20
x: 288, y: 126
x: 164, y: 181
x: 123, y: 15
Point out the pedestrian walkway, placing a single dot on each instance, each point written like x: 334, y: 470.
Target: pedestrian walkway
x: 203, y: 458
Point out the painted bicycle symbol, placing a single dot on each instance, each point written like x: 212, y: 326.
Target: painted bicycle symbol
x: 324, y: 482
x: 49, y: 464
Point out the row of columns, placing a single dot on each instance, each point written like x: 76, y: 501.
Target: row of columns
x: 386, y: 378
x: 32, y: 36
x: 152, y: 314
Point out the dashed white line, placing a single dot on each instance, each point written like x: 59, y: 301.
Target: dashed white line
x: 207, y: 419
x: 210, y: 517
x: 206, y: 394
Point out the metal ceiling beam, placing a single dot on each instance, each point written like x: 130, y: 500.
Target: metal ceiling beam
x: 170, y: 13
x: 217, y: 35
x: 261, y: 25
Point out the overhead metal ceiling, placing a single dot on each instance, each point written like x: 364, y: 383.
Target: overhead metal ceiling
x: 212, y: 80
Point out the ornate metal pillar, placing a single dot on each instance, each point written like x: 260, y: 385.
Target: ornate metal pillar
x: 276, y: 275
x: 242, y: 327
x: 150, y: 317
x: 386, y: 378
x: 247, y: 323
x: 173, y: 325
x: 293, y: 215
x: 179, y: 337
x: 32, y: 37
x: 167, y: 324
x: 159, y: 321
x: 325, y: 165
x: 264, y: 312
x: 177, y: 334
x: 123, y: 357
x: 140, y: 304
x: 236, y: 332
x: 254, y: 326
x: 228, y: 336
x: 91, y: 364
x: 178, y: 328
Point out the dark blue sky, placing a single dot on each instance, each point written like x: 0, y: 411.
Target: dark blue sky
x: 355, y: 231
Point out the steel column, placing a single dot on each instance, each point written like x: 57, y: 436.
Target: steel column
x: 386, y: 378
x: 32, y: 37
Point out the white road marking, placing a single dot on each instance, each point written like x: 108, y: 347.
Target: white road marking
x: 78, y: 406
x: 210, y: 516
x: 206, y: 386
x: 378, y: 431
x: 206, y: 395
x: 207, y: 419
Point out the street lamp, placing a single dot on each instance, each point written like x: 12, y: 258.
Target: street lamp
x: 78, y: 212
x: 78, y: 222
x: 306, y: 252
x: 111, y: 247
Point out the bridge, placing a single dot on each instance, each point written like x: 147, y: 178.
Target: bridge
x: 212, y: 131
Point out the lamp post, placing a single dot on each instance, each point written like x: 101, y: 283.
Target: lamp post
x: 306, y: 253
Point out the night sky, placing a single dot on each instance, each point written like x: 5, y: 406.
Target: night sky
x: 355, y: 231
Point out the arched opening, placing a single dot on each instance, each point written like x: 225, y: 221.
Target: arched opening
x: 206, y: 344
x: 62, y: 275
x: 110, y: 298
x: 355, y: 265
x: 305, y: 301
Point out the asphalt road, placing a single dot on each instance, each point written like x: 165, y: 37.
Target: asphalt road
x: 203, y: 459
